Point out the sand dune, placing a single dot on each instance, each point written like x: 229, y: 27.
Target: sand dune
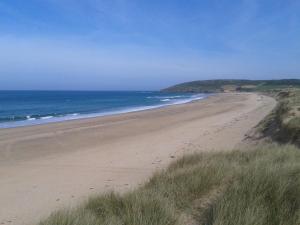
x: 46, y: 167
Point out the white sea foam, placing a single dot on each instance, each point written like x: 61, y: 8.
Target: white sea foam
x: 46, y: 117
x: 166, y: 101
x: 163, y: 97
x: 74, y: 114
x: 30, y: 118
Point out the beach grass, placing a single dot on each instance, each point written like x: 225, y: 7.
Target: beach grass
x: 253, y: 187
x: 283, y: 124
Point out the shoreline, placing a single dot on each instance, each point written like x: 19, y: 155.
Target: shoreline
x: 77, y: 116
x: 52, y: 166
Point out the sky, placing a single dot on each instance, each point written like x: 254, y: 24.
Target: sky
x: 145, y: 44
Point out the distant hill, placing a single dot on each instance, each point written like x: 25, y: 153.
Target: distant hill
x: 212, y: 86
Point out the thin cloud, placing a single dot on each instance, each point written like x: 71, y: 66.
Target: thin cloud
x: 143, y: 42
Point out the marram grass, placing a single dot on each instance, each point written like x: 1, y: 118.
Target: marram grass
x: 255, y: 187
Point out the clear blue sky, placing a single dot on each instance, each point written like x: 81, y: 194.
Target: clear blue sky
x: 131, y: 44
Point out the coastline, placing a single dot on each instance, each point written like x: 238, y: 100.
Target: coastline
x: 50, y: 166
x: 31, y: 121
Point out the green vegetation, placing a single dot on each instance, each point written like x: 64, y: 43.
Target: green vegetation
x: 255, y: 186
x: 212, y: 86
x: 283, y: 124
x: 260, y: 186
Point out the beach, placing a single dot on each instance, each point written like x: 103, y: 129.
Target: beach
x: 48, y: 167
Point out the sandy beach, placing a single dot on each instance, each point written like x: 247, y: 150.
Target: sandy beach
x: 47, y: 167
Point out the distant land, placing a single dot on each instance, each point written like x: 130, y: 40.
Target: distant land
x: 231, y: 85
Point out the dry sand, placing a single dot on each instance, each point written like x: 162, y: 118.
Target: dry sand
x: 44, y: 168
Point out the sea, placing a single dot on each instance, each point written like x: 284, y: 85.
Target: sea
x: 27, y: 108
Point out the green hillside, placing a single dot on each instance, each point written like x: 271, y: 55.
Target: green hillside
x: 283, y: 124
x: 212, y: 86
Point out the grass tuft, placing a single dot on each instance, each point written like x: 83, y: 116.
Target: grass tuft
x: 259, y: 186
x: 283, y: 124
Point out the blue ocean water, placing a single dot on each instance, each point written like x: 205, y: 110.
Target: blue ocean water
x: 22, y: 108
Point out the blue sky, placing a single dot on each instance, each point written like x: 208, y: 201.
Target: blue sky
x: 139, y: 45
